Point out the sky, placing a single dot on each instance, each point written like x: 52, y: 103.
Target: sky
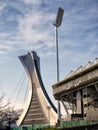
x: 27, y: 25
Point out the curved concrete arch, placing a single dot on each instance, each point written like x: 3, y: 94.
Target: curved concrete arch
x: 39, y: 109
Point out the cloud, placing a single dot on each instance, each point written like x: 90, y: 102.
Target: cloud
x: 2, y: 6
x: 35, y: 28
x: 35, y: 31
x: 35, y: 2
x: 32, y: 30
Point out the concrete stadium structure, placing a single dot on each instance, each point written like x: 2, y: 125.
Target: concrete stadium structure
x: 78, y: 92
x: 39, y: 109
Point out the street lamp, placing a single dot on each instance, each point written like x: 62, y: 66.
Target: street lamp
x: 57, y: 24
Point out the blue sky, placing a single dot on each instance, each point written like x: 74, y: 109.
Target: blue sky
x: 26, y: 25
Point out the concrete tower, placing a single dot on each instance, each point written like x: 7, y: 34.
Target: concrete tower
x: 38, y: 109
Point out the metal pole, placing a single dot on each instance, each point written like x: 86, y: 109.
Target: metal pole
x: 57, y: 24
x: 57, y: 54
x: 57, y: 59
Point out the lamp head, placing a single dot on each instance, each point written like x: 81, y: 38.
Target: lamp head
x: 59, y: 17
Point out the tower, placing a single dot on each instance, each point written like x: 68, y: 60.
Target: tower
x: 38, y: 109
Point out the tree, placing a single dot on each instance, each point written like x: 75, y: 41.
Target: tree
x: 2, y: 108
x: 7, y: 114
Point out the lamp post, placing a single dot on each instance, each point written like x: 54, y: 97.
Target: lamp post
x: 57, y: 24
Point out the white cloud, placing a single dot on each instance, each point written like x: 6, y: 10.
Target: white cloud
x: 34, y: 2
x: 35, y: 28
x: 2, y: 6
x: 36, y: 31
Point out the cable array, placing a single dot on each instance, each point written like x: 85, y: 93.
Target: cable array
x: 20, y: 91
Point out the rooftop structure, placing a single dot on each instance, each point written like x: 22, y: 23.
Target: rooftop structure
x: 78, y: 92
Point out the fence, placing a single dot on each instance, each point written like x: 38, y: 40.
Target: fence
x: 35, y: 127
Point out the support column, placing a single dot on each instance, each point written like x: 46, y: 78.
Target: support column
x: 79, y: 102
